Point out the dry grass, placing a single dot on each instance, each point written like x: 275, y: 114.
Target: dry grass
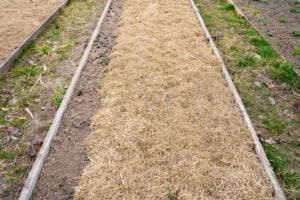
x: 169, y: 127
x: 19, y: 18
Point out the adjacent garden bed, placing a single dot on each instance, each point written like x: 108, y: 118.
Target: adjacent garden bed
x: 18, y: 19
x: 279, y: 21
x: 268, y: 85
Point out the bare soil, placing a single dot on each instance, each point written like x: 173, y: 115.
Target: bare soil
x: 19, y: 18
x: 67, y: 157
x: 272, y: 11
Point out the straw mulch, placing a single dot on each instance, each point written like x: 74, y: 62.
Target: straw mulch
x: 169, y: 127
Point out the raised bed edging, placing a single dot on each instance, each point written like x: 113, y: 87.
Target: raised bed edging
x: 6, y: 64
x: 278, y: 193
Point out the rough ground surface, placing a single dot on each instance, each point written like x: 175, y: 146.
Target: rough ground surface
x: 68, y: 150
x: 19, y: 18
x: 271, y: 12
x: 169, y: 127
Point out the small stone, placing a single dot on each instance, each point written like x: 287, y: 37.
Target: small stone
x: 15, y: 132
x: 257, y: 56
x: 270, y: 141
x: 257, y: 84
x: 80, y: 93
x: 261, y: 117
x: 272, y: 100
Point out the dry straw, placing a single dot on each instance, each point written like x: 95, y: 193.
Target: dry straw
x: 169, y: 127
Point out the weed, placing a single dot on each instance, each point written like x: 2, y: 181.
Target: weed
x: 59, y: 94
x: 281, y: 45
x: 170, y: 192
x: 297, y: 1
x: 25, y: 71
x: 17, y: 123
x: 294, y: 10
x: 16, y: 168
x: 11, y: 179
x: 269, y: 34
x: 296, y: 50
x: 123, y: 109
x: 247, y: 5
x: 265, y: 22
x: 285, y: 72
x: 259, y: 41
x: 46, y: 49
x: 263, y: 1
x: 248, y: 60
x: 274, y: 125
x: 279, y: 161
x: 255, y: 12
x: 283, y: 20
x: 266, y: 52
x: 2, y: 118
x: 296, y: 33
x: 107, y: 60
x: 8, y: 155
x: 228, y: 7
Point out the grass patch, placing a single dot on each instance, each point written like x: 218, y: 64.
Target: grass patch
x: 227, y: 7
x: 283, y: 20
x: 255, y: 12
x: 248, y: 61
x: 285, y: 72
x: 296, y: 33
x: 279, y: 161
x: 296, y: 50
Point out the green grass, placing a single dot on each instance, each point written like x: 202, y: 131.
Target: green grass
x: 255, y: 12
x: 297, y: 1
x: 274, y: 125
x: 281, y: 45
x: 59, y: 94
x: 228, y: 7
x: 8, y: 155
x: 283, y: 20
x: 296, y: 50
x: 248, y: 61
x: 269, y: 34
x: 285, y: 72
x: 279, y: 161
x: 247, y: 5
x: 25, y: 71
x: 296, y: 33
x: 265, y: 22
x: 294, y: 10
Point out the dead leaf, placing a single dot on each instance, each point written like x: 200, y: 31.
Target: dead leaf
x: 29, y: 112
x: 270, y: 141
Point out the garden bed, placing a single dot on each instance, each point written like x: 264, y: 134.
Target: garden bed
x: 279, y: 21
x: 18, y: 19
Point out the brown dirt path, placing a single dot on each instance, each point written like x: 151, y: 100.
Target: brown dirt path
x: 168, y: 127
x: 19, y: 18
